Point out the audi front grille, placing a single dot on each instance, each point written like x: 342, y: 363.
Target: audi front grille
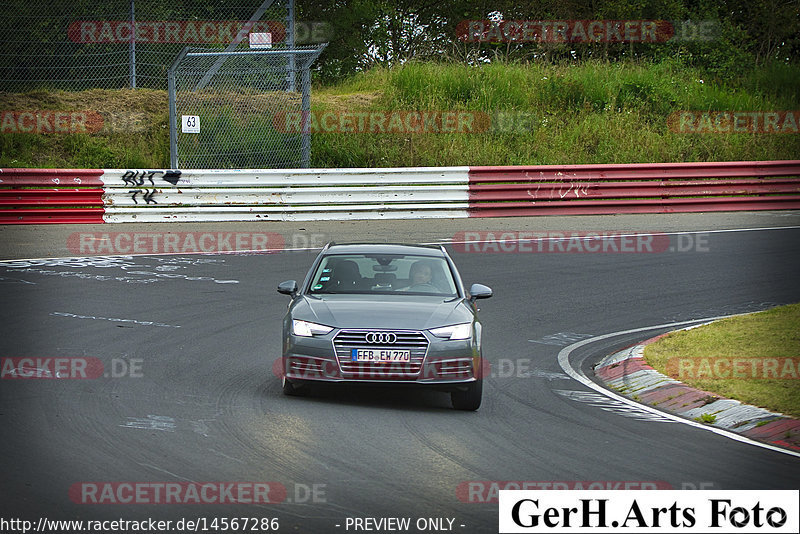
x: 413, y: 341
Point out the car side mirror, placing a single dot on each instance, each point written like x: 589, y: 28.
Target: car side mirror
x: 288, y: 287
x: 479, y: 291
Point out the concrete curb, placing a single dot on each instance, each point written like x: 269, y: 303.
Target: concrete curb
x: 627, y: 373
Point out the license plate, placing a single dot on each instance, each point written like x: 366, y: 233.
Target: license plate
x: 380, y: 355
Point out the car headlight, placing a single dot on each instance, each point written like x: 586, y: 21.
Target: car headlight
x: 456, y: 331
x: 306, y: 329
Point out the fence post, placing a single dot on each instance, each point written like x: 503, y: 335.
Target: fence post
x: 173, y: 126
x: 305, y: 108
x: 132, y: 48
x: 292, y: 67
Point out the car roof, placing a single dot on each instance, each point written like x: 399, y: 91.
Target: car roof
x: 384, y: 248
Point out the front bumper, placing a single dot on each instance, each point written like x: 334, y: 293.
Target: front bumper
x: 441, y: 363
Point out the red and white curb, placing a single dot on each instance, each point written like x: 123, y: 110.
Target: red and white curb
x: 627, y: 373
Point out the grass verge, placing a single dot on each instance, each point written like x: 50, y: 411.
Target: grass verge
x: 733, y: 356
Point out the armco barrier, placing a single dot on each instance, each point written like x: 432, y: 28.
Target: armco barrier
x: 34, y: 196
x: 633, y: 188
x: 242, y: 195
x: 31, y: 196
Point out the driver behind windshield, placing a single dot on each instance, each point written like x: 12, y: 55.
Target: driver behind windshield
x: 420, y: 275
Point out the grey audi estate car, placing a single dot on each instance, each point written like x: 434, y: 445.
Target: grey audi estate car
x: 384, y: 314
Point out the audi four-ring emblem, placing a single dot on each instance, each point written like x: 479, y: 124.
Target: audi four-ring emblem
x: 381, y: 337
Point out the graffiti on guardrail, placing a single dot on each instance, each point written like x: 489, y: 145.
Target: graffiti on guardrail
x: 148, y: 195
x: 576, y: 188
x: 137, y: 179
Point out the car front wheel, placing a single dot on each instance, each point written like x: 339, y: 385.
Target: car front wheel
x: 469, y: 398
x: 291, y: 388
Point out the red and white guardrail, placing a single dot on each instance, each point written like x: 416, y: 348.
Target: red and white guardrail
x: 35, y: 196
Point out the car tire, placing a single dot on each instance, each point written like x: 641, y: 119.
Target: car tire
x: 291, y: 388
x: 469, y: 398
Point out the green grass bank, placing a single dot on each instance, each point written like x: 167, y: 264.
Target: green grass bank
x: 592, y: 112
x: 751, y: 358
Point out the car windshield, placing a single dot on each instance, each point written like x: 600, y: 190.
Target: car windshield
x: 383, y: 274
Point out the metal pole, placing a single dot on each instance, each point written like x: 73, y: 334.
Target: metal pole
x: 173, y: 114
x: 306, y: 112
x: 306, y: 103
x: 272, y: 52
x: 132, y: 48
x: 173, y: 127
x: 290, y: 32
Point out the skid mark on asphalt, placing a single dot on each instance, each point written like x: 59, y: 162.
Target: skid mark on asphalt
x: 15, y: 281
x: 441, y: 450
x: 25, y: 371
x: 163, y: 269
x: 547, y: 375
x: 730, y: 309
x: 611, y: 405
x: 201, y: 426
x: 226, y: 456
x: 162, y: 423
x: 561, y: 339
x: 113, y: 319
x: 165, y: 423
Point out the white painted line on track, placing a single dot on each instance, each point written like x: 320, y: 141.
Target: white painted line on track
x: 577, y: 374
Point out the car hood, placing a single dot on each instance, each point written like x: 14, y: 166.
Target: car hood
x: 382, y: 311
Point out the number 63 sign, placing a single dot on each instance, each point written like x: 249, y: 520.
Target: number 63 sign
x: 190, y: 124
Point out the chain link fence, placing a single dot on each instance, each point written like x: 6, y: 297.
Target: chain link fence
x: 113, y: 44
x: 238, y: 70
x: 240, y: 109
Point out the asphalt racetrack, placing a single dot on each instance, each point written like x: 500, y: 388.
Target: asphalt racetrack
x: 188, y: 343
